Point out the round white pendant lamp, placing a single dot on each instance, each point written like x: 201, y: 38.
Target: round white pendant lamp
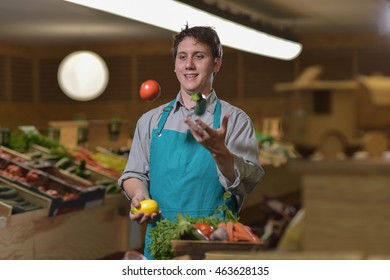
x: 83, y: 75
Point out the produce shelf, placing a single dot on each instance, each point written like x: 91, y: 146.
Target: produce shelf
x: 65, y: 197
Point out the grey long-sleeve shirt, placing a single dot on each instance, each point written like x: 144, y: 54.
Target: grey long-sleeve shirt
x: 240, y: 140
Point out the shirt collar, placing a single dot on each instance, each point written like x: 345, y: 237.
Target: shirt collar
x: 211, y: 99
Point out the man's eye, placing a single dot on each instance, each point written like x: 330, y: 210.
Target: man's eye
x: 198, y: 56
x: 182, y: 57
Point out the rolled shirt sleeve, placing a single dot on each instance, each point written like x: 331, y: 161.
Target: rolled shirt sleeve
x: 137, y: 165
x: 242, y: 143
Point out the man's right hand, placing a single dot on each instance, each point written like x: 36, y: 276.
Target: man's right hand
x: 140, y: 217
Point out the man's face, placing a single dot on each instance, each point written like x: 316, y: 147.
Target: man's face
x: 194, y: 66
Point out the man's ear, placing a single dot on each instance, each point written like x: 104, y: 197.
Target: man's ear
x: 217, y: 65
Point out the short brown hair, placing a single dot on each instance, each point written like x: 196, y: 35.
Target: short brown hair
x: 203, y: 34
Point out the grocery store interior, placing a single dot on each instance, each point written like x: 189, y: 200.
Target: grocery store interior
x: 321, y: 115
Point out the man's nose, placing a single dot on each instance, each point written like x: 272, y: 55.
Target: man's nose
x: 189, y: 63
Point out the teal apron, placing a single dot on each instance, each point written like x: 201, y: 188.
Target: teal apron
x: 183, y: 174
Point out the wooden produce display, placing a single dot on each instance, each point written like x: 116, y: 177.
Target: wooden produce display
x: 71, y: 133
x: 113, y: 133
x: 91, y: 233
x: 196, y: 250
x: 75, y: 171
x: 280, y: 255
x: 346, y: 205
x: 15, y: 199
x: 93, y: 180
x: 75, y: 218
x: 65, y: 197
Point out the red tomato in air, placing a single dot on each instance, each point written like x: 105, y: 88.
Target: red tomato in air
x: 150, y: 90
x: 204, y: 228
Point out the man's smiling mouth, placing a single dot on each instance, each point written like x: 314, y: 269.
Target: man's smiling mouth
x: 190, y: 76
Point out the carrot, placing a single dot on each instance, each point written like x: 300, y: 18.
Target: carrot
x: 229, y: 229
x: 240, y: 236
x: 242, y: 232
x: 222, y: 225
x: 84, y: 151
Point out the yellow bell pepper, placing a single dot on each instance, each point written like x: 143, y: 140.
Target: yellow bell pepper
x: 147, y: 206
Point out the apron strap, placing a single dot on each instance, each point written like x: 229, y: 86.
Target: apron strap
x: 164, y: 117
x: 217, y: 115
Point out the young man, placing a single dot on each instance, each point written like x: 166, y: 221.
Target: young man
x: 184, y: 161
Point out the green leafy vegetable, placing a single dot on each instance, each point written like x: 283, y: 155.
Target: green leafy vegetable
x: 161, y: 236
x: 200, y: 106
x: 22, y: 141
x: 225, y: 210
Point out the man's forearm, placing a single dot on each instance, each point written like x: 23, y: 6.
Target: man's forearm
x: 135, y: 188
x: 225, y: 162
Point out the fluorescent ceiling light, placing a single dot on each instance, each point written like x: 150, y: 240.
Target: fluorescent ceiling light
x: 173, y: 15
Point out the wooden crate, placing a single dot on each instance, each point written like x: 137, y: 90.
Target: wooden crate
x: 197, y: 249
x: 70, y: 131
x: 85, y: 196
x: 280, y: 255
x: 97, y: 177
x: 27, y: 195
x: 17, y: 235
x: 98, y: 134
x: 86, y: 234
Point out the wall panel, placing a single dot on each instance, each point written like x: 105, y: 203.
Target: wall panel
x: 120, y: 78
x: 245, y: 80
x: 337, y: 63
x: 374, y: 60
x: 262, y: 73
x: 2, y: 78
x: 158, y: 67
x: 226, y: 82
x: 50, y: 91
x: 21, y: 79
